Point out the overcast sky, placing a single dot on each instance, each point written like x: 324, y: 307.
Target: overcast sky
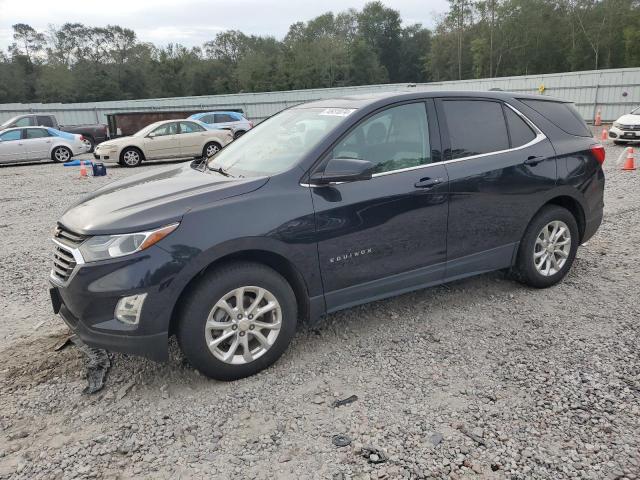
x: 192, y: 22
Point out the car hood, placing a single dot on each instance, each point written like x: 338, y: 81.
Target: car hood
x: 150, y: 200
x: 118, y: 142
x: 629, y: 119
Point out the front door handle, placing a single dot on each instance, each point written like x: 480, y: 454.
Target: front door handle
x: 533, y: 160
x: 428, y: 182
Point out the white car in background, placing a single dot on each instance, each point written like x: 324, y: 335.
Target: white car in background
x: 626, y: 128
x: 23, y: 144
x: 164, y: 140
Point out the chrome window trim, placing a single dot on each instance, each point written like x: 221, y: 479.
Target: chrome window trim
x: 77, y: 256
x: 539, y: 137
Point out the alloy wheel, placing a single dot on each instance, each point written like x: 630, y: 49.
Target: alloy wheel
x: 243, y: 325
x: 552, y: 248
x: 212, y: 150
x: 62, y: 154
x: 131, y: 158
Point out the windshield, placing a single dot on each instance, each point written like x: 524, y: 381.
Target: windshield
x: 146, y: 130
x: 279, y: 142
x: 8, y: 122
x: 636, y: 111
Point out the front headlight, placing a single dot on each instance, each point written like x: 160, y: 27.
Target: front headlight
x: 103, y: 247
x: 617, y: 125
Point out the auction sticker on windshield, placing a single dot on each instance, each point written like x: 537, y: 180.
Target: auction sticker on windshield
x: 337, y: 112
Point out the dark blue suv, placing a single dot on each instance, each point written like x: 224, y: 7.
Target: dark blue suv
x: 322, y: 207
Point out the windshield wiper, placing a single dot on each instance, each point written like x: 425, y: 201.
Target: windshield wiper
x: 219, y: 170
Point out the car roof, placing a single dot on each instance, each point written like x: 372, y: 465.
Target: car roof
x: 202, y: 114
x: 363, y: 100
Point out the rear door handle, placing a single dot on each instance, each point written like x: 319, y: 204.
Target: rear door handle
x: 428, y: 182
x: 533, y: 160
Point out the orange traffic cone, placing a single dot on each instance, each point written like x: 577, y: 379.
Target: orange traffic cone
x: 83, y: 170
x: 629, y: 163
x: 605, y: 134
x: 598, y: 120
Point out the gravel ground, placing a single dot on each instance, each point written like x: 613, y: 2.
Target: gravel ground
x: 481, y: 377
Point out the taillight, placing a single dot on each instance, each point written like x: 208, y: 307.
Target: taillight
x: 250, y: 124
x: 598, y: 153
x: 81, y: 138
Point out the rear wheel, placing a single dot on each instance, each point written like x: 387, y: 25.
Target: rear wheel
x: 130, y: 157
x: 61, y: 154
x: 89, y: 144
x: 238, y: 134
x: 237, y: 321
x: 548, y: 247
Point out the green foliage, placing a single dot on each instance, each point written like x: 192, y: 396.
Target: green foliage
x: 473, y: 39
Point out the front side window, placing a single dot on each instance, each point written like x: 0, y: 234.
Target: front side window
x: 393, y: 139
x: 11, y: 135
x: 166, y: 129
x: 190, y: 127
x: 37, y: 133
x: 475, y: 127
x: 23, y: 122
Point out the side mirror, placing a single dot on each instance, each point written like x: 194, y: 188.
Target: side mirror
x: 343, y: 170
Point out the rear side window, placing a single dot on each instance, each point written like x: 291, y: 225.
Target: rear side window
x: 223, y: 118
x: 37, y: 133
x: 45, y: 121
x: 475, y: 127
x: 562, y: 115
x: 520, y: 132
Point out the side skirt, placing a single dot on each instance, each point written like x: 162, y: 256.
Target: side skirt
x: 471, y: 265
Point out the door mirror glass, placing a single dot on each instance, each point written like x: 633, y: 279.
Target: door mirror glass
x: 343, y: 170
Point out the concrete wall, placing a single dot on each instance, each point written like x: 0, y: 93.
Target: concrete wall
x: 614, y: 92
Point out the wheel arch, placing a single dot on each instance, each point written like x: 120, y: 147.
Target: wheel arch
x: 276, y: 261
x: 574, y: 206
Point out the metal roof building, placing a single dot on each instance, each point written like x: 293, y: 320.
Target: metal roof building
x: 614, y: 92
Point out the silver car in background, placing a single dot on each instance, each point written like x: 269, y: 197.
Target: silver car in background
x: 228, y: 120
x: 24, y: 144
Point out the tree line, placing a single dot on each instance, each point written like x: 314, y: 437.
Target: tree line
x: 473, y: 39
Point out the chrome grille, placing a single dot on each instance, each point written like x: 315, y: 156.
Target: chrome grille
x: 67, y: 237
x: 63, y: 263
x: 630, y: 127
x: 64, y: 260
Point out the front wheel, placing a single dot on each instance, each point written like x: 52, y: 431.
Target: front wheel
x: 210, y: 149
x: 61, y: 154
x: 548, y: 247
x: 238, y: 320
x: 130, y: 157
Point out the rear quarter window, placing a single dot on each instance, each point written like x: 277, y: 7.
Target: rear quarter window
x: 563, y: 115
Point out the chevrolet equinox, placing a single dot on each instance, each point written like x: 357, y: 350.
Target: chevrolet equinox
x: 324, y: 206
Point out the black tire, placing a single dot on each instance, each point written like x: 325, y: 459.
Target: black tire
x: 61, y: 154
x: 620, y: 142
x: 133, y: 160
x: 525, y: 270
x: 90, y: 142
x: 210, y: 145
x: 202, y: 299
x: 238, y: 134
